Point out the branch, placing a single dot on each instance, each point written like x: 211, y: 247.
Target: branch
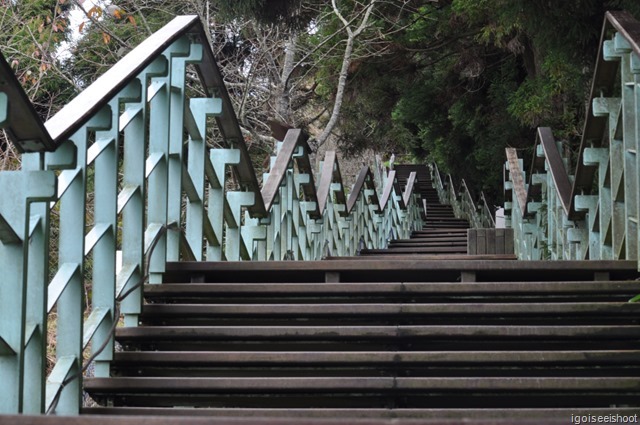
x: 344, y: 71
x: 102, y: 27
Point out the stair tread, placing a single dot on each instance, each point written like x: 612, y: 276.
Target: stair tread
x: 398, y: 331
x: 624, y: 287
x: 600, y: 357
x: 461, y: 238
x: 320, y: 384
x: 417, y: 249
x: 353, y: 263
x: 393, y: 309
x: 427, y: 416
x: 431, y: 257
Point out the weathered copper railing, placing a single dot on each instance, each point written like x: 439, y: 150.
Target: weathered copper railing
x: 592, y: 213
x: 111, y: 174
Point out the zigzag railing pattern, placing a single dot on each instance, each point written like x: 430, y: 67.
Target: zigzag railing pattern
x: 125, y: 175
x: 593, y: 213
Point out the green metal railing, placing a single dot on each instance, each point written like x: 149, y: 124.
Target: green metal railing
x: 479, y: 216
x: 591, y: 213
x: 126, y: 177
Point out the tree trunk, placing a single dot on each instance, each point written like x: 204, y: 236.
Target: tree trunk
x: 283, y: 101
x: 342, y: 83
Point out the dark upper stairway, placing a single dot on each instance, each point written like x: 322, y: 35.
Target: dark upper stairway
x: 442, y: 232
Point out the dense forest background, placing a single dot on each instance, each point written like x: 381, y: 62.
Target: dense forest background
x: 452, y: 81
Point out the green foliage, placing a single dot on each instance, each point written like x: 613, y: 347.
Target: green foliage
x: 294, y: 14
x: 481, y: 75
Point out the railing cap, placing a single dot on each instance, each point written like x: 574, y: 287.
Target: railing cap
x: 24, y: 128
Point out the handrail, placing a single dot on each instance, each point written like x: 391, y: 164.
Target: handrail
x: 364, y: 181
x: 550, y: 151
x: 593, y: 214
x: 25, y: 128
x: 129, y: 150
x: 408, y: 190
x: 487, y: 214
x: 515, y: 176
x: 293, y: 139
x: 388, y: 189
x: 603, y: 79
x: 330, y: 174
x: 80, y: 109
x: 556, y: 166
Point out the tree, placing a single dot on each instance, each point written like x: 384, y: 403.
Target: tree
x: 31, y: 31
x: 471, y: 77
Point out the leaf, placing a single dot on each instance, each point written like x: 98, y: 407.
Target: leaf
x: 132, y: 20
x: 81, y: 26
x: 95, y: 10
x: 106, y: 38
x: 635, y: 299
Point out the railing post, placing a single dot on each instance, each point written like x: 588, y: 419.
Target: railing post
x: 157, y: 175
x: 69, y: 344
x: 216, y: 203
x: 179, y: 55
x: 632, y: 157
x: 104, y: 252
x: 630, y: 78
x: 200, y: 108
x: 21, y: 293
x: 36, y: 305
x: 233, y: 242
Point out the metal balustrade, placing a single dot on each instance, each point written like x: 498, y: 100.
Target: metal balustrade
x: 126, y: 176
x: 479, y: 216
x: 591, y: 213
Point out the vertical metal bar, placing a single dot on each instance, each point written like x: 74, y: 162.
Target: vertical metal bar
x: 216, y: 203
x: 631, y: 185
x: 201, y: 109
x: 12, y: 300
x: 104, y: 252
x: 635, y: 146
x: 36, y: 305
x: 157, y: 180
x: 134, y: 147
x: 71, y: 250
x: 177, y: 102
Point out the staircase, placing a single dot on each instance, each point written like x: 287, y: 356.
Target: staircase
x: 442, y: 232
x: 392, y: 339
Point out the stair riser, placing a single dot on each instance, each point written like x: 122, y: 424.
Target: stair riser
x: 396, y: 399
